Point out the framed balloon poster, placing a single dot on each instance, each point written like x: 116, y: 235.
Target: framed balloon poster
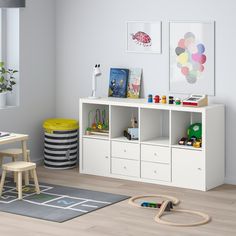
x: 143, y: 37
x: 192, y: 57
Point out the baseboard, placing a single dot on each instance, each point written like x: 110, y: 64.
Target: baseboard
x: 230, y: 181
x: 39, y: 162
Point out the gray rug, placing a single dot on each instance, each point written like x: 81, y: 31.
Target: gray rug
x: 55, y: 203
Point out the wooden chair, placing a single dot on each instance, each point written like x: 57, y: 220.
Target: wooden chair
x: 19, y: 167
x: 14, y: 153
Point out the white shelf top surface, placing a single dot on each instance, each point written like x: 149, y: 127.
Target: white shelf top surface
x: 141, y: 102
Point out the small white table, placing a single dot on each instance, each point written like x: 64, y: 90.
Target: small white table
x: 12, y: 138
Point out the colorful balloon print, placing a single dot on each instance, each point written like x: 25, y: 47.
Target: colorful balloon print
x: 190, y: 57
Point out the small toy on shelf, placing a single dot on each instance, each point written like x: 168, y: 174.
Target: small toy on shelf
x: 171, y: 100
x: 196, y: 100
x: 177, y: 101
x: 197, y: 143
x: 157, y: 99
x: 134, y: 122
x: 195, y: 130
x: 183, y: 141
x: 132, y: 133
x: 99, y: 125
x: 191, y: 141
x: 163, y: 99
x: 94, y: 126
x: 88, y: 131
x: 150, y: 100
x: 194, y: 139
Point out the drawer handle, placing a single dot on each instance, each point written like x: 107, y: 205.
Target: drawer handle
x: 125, y: 150
x: 199, y: 168
x: 155, y: 172
x: 125, y: 167
x: 155, y: 154
x: 106, y: 157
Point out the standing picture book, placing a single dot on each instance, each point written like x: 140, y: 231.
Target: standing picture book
x: 134, y: 83
x: 118, y: 82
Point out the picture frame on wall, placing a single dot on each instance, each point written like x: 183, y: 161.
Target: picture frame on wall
x: 192, y: 57
x: 144, y: 37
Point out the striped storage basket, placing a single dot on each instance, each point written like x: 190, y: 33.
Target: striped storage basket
x: 60, y: 143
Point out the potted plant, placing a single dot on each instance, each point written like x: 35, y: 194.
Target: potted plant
x: 7, y: 81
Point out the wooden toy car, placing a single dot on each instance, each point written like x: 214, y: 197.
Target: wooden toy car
x: 183, y: 141
x: 197, y: 144
x: 150, y: 204
x: 191, y: 141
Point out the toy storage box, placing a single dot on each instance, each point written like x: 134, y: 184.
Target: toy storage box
x: 156, y: 156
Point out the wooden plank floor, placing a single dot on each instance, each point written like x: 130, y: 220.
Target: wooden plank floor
x: 122, y: 219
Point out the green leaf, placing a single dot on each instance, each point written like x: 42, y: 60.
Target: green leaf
x: 1, y: 64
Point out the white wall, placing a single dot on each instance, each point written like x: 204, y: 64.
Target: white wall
x: 37, y: 74
x: 93, y: 31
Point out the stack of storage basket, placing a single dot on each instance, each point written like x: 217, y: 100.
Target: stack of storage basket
x: 60, y: 143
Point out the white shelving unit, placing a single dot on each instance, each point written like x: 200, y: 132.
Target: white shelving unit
x: 156, y: 156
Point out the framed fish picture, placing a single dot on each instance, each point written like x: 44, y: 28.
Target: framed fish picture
x: 118, y: 82
x: 134, y: 83
x: 143, y: 37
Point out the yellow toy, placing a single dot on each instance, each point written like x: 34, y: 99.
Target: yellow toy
x: 163, y: 99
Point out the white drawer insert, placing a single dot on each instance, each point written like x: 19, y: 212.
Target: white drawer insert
x: 125, y: 167
x: 155, y: 171
x: 155, y: 153
x: 125, y: 150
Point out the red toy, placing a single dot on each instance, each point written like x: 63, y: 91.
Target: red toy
x: 157, y: 99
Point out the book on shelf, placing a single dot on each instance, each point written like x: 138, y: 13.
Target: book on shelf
x: 134, y: 83
x: 118, y: 82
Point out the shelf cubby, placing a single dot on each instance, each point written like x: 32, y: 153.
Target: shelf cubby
x: 89, y: 111
x: 180, y: 122
x: 154, y: 126
x: 121, y: 120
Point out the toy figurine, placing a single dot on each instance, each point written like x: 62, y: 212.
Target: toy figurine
x: 163, y: 99
x: 177, y: 101
x: 171, y: 100
x: 157, y: 99
x: 150, y: 98
x: 134, y: 123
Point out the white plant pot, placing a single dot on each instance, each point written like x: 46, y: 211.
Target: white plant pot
x: 3, y: 99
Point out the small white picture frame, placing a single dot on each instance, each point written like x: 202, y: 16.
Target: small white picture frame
x: 144, y: 36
